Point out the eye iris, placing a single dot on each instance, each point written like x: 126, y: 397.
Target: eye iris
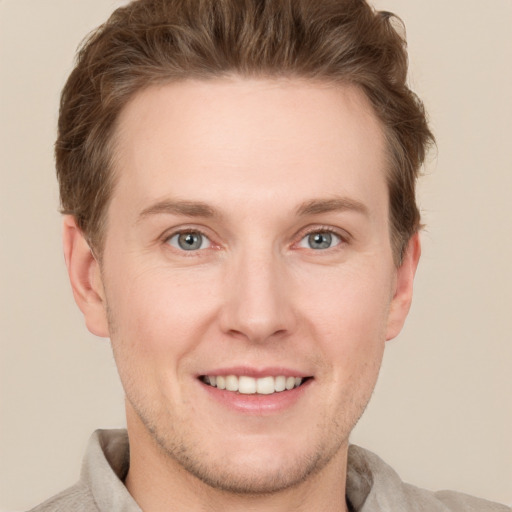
x: 190, y: 241
x: 320, y: 240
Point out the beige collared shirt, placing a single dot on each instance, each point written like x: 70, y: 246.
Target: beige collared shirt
x: 372, y: 486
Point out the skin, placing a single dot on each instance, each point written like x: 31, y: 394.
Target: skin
x: 269, y: 162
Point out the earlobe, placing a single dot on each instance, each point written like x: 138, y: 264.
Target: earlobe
x: 402, y: 298
x: 85, y: 278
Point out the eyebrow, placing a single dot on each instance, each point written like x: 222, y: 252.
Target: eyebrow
x: 200, y: 209
x: 318, y: 206
x: 185, y: 208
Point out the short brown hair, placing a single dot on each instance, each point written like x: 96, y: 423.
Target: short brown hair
x: 156, y: 41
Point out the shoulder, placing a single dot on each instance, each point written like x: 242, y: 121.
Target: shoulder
x: 458, y: 501
x: 77, y: 498
x: 101, y: 486
x: 449, y: 501
x: 374, y: 485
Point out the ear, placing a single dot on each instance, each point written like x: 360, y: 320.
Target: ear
x: 85, y: 278
x: 402, y: 298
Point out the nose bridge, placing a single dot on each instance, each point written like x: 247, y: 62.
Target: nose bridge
x: 257, y: 299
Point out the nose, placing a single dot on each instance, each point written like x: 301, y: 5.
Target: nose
x: 257, y: 303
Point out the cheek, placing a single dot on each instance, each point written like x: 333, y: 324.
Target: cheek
x: 349, y: 305
x: 348, y: 319
x: 157, y: 323
x: 158, y: 315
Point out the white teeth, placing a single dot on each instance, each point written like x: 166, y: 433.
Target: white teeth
x: 231, y: 383
x: 250, y: 386
x: 265, y: 386
x: 280, y: 383
x: 221, y: 382
x: 246, y: 385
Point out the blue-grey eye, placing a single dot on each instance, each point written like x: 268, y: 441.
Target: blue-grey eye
x: 320, y: 240
x: 189, y: 241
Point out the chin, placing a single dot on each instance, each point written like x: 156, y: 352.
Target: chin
x: 246, y: 466
x: 253, y: 475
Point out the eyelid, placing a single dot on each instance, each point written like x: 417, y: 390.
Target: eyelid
x: 202, y: 238
x: 340, y: 233
x: 176, y: 231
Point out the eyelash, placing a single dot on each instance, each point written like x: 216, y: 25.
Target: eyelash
x: 184, y: 231
x: 309, y: 231
x: 324, y: 229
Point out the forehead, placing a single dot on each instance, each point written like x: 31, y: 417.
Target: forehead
x: 224, y: 139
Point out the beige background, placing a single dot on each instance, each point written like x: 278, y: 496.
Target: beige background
x: 442, y: 411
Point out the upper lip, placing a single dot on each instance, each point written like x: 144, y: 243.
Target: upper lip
x: 256, y: 373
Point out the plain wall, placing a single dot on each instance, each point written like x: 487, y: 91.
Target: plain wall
x: 442, y: 410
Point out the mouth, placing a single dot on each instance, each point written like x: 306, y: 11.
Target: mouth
x: 247, y: 385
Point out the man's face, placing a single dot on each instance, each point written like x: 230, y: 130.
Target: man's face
x: 248, y: 244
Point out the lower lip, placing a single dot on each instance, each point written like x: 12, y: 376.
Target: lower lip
x: 257, y: 404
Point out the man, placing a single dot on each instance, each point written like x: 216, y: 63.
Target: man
x: 238, y: 182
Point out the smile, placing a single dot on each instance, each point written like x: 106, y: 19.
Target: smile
x: 250, y: 386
